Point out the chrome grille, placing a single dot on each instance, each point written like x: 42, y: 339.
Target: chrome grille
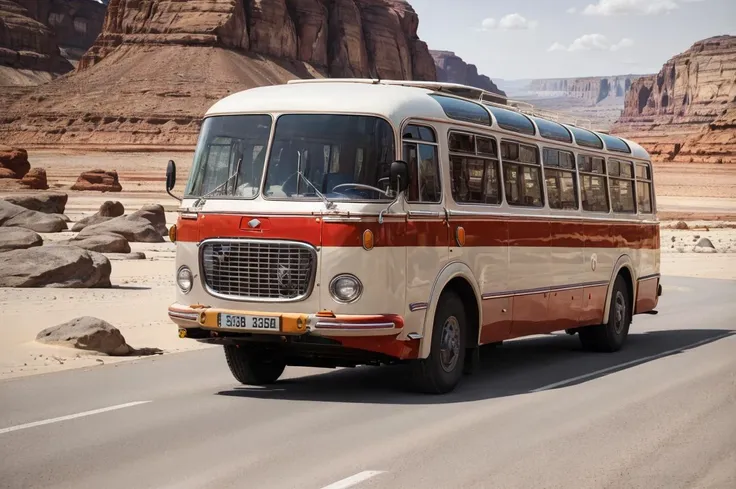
x: 251, y: 269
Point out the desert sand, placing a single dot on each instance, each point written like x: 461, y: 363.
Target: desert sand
x: 703, y: 195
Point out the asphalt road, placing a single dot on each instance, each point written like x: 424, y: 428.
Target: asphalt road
x: 540, y: 414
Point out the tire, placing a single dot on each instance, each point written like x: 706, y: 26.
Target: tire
x: 440, y: 372
x: 611, y: 336
x: 249, y: 368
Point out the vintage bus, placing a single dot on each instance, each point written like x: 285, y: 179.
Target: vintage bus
x: 336, y: 223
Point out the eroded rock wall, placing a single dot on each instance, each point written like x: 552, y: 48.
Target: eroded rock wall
x: 687, y: 111
x: 453, y: 69
x: 591, y: 89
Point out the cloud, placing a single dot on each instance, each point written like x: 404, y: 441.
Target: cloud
x: 572, y: 10
x: 625, y: 7
x: 557, y: 47
x: 592, y: 42
x: 623, y: 43
x: 510, y: 22
x: 489, y: 24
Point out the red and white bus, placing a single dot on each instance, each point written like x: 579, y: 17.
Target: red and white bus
x: 336, y: 223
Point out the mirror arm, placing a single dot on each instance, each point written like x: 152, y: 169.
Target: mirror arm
x: 174, y: 196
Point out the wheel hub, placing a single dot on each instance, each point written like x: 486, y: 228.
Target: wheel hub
x: 450, y: 344
x: 619, y: 313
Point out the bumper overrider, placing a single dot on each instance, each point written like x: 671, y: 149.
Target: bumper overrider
x: 323, y: 323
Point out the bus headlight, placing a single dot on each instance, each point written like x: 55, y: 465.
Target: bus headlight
x: 184, y: 279
x: 346, y: 288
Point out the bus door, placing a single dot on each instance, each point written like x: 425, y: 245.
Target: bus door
x: 427, y: 234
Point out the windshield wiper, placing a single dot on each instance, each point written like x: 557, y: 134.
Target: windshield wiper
x: 223, y: 184
x: 328, y: 203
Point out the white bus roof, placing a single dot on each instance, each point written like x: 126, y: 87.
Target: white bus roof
x: 396, y: 100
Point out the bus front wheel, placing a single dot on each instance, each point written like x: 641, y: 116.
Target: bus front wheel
x: 251, y: 368
x: 441, y: 371
x: 611, y: 336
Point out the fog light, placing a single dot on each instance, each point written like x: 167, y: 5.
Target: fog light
x: 346, y: 288
x: 184, y: 279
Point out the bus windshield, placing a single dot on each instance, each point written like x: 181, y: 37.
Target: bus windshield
x: 343, y: 157
x: 230, y: 156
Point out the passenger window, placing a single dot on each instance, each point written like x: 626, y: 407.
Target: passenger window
x: 559, y: 173
x: 593, y: 183
x: 423, y: 160
x: 522, y: 174
x: 644, y: 188
x: 621, y: 182
x: 474, y: 169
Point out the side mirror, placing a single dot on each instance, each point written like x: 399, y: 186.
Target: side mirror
x: 399, y: 175
x: 170, y: 176
x: 171, y: 179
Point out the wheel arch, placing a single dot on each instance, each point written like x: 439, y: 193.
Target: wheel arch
x: 456, y: 276
x: 625, y: 267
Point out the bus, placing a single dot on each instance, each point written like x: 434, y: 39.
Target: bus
x: 348, y: 222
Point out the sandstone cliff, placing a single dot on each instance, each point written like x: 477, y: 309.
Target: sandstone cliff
x: 451, y: 68
x: 591, y: 89
x: 687, y: 112
x: 159, y: 64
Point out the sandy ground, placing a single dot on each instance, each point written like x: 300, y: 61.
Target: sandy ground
x: 704, y: 195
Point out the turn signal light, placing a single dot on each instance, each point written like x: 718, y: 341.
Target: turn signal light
x: 460, y: 236
x: 172, y: 233
x: 368, y: 239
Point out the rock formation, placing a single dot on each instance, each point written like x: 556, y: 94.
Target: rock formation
x: 159, y: 64
x: 13, y: 162
x: 19, y: 239
x: 46, y: 202
x: 687, y: 112
x: 87, y: 333
x: 451, y: 68
x: 12, y: 215
x: 42, y: 39
x: 98, y: 180
x: 592, y: 90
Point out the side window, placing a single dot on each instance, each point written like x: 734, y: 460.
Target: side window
x: 522, y: 174
x: 474, y: 169
x: 593, y: 186
x: 561, y: 179
x: 421, y: 154
x: 621, y: 183
x: 644, y: 188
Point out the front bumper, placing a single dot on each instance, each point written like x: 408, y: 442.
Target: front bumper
x: 292, y: 324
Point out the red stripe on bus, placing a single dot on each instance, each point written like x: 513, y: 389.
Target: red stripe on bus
x: 490, y: 231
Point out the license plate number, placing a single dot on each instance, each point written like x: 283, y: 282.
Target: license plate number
x: 251, y: 323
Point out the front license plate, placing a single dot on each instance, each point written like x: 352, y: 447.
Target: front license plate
x: 250, y: 323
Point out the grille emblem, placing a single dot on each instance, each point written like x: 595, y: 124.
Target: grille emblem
x: 254, y: 223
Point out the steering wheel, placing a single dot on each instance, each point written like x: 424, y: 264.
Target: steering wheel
x: 360, y: 186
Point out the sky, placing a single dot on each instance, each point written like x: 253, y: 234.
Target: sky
x: 522, y: 39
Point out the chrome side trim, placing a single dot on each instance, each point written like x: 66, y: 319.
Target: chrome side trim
x: 310, y: 286
x: 353, y: 326
x: 539, y: 290
x: 648, y: 277
x: 418, y: 306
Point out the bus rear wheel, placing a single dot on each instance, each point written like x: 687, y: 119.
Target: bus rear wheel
x: 250, y: 368
x: 611, y: 336
x: 441, y: 371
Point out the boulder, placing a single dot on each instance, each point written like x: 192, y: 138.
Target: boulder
x: 54, y: 266
x: 98, y: 180
x: 133, y: 255
x: 132, y: 228
x: 101, y: 243
x: 155, y: 215
x: 111, y: 209
x: 87, y: 333
x: 12, y: 215
x: 108, y: 210
x: 704, y: 246
x: 47, y: 202
x: 35, y: 179
x: 18, y: 239
x: 13, y: 162
x: 89, y: 221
